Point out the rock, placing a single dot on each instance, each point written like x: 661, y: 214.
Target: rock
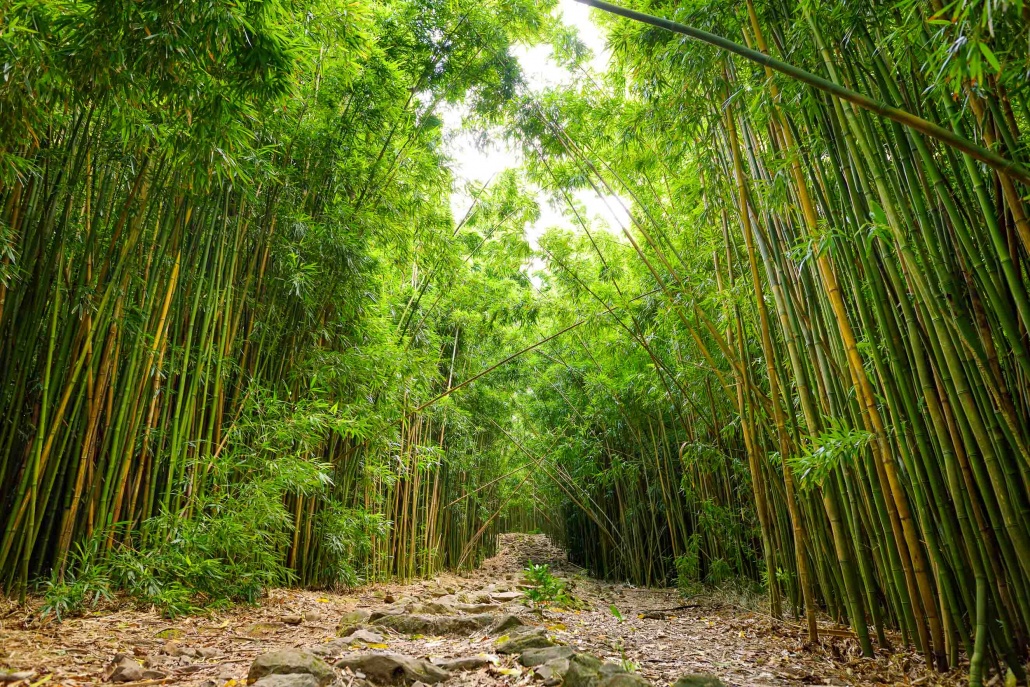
x: 288, y: 680
x: 6, y: 677
x: 506, y: 597
x: 124, y: 669
x: 151, y: 674
x: 440, y: 607
x: 435, y: 624
x: 623, y: 680
x: 536, y: 639
x: 155, y: 661
x: 336, y: 647
x: 208, y: 652
x: 476, y: 607
x: 465, y: 663
x: 505, y: 623
x: 698, y: 680
x: 538, y: 657
x: 434, y: 608
x: 312, y: 616
x: 169, y: 633
x: 393, y: 669
x: 552, y: 672
x: 347, y: 631
x: 363, y: 637
x: 388, y: 599
x: 261, y: 629
x: 292, y: 619
x: 288, y: 662
x: 328, y: 649
x: 584, y: 671
x: 355, y: 617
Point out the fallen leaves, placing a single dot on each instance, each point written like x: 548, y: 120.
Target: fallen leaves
x: 741, y: 646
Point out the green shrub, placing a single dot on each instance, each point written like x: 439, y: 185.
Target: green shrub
x: 85, y: 586
x: 547, y: 589
x: 688, y: 567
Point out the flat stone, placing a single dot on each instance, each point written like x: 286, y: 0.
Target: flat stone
x: 292, y: 619
x: 464, y: 663
x: 334, y: 647
x: 433, y: 608
x: 124, y: 669
x: 261, y: 629
x: 506, y: 623
x: 698, y: 680
x: 440, y: 607
x: 537, y: 639
x: 538, y: 657
x: 169, y: 633
x: 584, y: 671
x: 287, y: 680
x: 558, y: 666
x: 545, y: 672
x: 436, y: 624
x: 363, y: 637
x: 288, y: 662
x: 552, y: 672
x: 355, y: 617
x: 393, y: 669
x: 504, y: 597
x: 623, y: 680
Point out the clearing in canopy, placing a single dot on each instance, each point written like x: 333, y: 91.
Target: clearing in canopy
x: 514, y: 342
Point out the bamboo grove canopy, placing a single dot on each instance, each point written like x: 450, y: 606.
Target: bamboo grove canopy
x: 237, y: 314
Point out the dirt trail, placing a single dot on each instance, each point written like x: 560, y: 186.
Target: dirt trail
x: 660, y: 645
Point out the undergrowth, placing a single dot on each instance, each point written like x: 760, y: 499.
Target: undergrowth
x: 232, y: 541
x: 546, y: 588
x: 719, y: 581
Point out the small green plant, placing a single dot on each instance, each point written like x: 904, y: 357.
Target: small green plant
x: 627, y: 664
x: 546, y: 588
x: 85, y: 587
x: 719, y: 571
x: 688, y: 567
x: 616, y: 612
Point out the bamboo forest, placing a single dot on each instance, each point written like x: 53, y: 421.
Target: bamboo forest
x: 512, y: 342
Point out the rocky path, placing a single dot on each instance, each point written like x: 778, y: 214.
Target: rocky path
x: 475, y: 630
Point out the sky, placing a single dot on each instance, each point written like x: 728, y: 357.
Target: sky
x: 472, y: 162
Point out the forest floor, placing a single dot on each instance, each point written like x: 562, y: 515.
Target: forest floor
x: 660, y: 635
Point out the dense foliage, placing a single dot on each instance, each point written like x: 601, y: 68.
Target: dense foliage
x: 237, y: 317
x: 815, y: 355
x: 229, y: 276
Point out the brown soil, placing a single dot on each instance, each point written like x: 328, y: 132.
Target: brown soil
x: 709, y: 635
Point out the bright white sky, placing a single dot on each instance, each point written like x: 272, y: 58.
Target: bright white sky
x: 478, y: 164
